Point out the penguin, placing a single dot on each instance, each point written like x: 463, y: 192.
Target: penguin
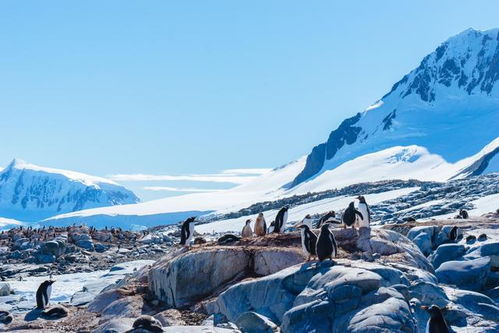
x: 260, y: 225
x: 247, y: 232
x: 57, y: 311
x: 363, y: 208
x: 5, y: 317
x: 482, y: 238
x: 470, y: 239
x: 349, y: 215
x: 308, y: 241
x: 308, y: 221
x: 453, y: 233
x: 187, y: 231
x: 436, y: 323
x: 326, y: 244
x: 464, y: 214
x: 227, y: 239
x: 43, y: 294
x: 280, y: 219
x: 148, y: 323
x: 328, y: 217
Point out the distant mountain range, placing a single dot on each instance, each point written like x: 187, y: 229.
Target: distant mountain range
x: 439, y: 122
x: 31, y: 193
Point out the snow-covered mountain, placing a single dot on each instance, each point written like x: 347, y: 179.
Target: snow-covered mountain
x: 448, y: 105
x: 440, y: 122
x: 30, y: 193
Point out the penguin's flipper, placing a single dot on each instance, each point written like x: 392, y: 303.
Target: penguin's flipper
x: 359, y: 213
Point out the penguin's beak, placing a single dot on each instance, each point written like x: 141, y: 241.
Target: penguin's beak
x: 424, y: 307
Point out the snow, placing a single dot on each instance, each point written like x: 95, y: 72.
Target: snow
x: 67, y: 284
x: 299, y: 212
x: 8, y: 223
x: 73, y: 175
x: 483, y: 205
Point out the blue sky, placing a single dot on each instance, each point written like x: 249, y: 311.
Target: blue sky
x: 170, y: 88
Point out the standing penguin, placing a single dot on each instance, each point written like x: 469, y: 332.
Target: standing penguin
x: 453, y: 234
x: 280, y: 219
x: 349, y: 215
x: 43, y: 294
x: 187, y: 231
x: 260, y: 225
x: 328, y: 217
x: 247, y: 232
x: 308, y: 241
x: 326, y: 244
x: 363, y: 208
x: 436, y: 323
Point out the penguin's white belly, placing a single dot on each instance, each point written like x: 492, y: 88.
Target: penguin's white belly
x: 303, y: 246
x: 49, y: 292
x: 364, y: 221
x: 191, y: 234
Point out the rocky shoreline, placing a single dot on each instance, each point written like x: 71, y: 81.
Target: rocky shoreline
x: 377, y: 283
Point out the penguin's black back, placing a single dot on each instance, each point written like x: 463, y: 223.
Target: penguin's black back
x: 184, y: 232
x: 437, y: 324
x: 42, y: 289
x: 279, y: 219
x: 326, y: 244
x: 311, y: 242
x: 349, y: 216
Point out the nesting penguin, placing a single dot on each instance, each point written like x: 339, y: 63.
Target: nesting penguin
x: 280, y: 220
x: 308, y: 241
x: 187, y: 231
x: 363, y: 208
x: 350, y: 215
x: 328, y: 217
x: 148, y: 323
x: 247, y: 232
x: 260, y: 225
x: 326, y: 244
x: 436, y: 323
x: 43, y: 294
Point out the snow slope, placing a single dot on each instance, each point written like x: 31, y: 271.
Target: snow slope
x: 8, y: 223
x: 29, y: 192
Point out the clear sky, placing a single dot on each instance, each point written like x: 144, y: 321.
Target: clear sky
x: 197, y: 87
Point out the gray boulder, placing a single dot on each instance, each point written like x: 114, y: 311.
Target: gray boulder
x: 252, y: 322
x: 120, y: 325
x: 446, y: 252
x: 423, y: 237
x: 468, y: 274
x: 4, y: 289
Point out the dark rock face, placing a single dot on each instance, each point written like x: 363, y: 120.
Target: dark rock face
x: 346, y: 133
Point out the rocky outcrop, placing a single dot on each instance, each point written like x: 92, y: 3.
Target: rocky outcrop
x: 186, y: 278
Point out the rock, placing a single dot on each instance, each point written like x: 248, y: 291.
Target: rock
x: 103, y: 300
x: 129, y: 307
x: 148, y: 323
x: 170, y: 317
x: 100, y: 248
x: 446, y: 252
x: 120, y: 325
x: 468, y: 274
x: 4, y: 289
x: 185, y: 279
x: 85, y: 244
x: 55, y: 248
x: 252, y: 322
x: 490, y: 250
x: 423, y: 237
x: 44, y: 258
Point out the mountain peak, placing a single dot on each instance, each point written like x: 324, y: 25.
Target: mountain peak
x: 447, y: 105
